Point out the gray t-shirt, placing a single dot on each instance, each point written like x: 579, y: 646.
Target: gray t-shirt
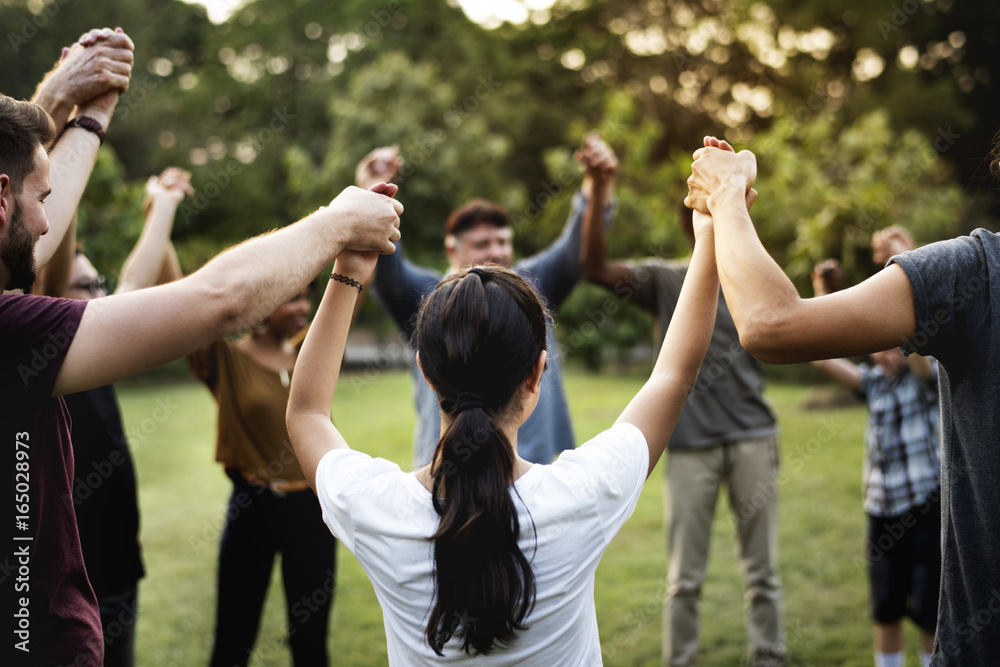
x: 727, y: 401
x: 953, y: 302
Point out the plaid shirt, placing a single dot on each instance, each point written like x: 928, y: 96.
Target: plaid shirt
x: 903, y: 458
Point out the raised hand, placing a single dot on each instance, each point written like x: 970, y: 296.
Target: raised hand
x: 172, y: 185
x: 890, y: 241
x: 717, y: 167
x: 381, y: 165
x: 99, y: 63
x: 827, y: 277
x: 367, y: 219
x: 600, y: 164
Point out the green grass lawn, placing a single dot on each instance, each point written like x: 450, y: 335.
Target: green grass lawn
x: 183, y: 493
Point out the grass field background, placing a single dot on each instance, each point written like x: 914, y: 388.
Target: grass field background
x: 183, y: 494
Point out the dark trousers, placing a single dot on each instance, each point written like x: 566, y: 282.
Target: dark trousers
x: 260, y: 523
x: 118, y: 616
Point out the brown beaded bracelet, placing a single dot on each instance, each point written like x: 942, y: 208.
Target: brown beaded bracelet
x: 347, y: 281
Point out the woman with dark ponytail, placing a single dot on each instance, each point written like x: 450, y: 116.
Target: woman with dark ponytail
x: 481, y: 556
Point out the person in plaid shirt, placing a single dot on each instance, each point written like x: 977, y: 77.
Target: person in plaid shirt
x: 902, y: 479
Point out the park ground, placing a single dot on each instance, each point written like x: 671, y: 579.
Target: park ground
x: 183, y: 494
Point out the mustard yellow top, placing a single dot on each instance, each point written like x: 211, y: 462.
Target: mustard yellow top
x: 252, y: 402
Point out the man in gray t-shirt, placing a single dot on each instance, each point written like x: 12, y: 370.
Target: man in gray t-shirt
x: 726, y: 434
x: 937, y: 301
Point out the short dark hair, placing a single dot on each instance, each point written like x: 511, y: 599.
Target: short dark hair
x: 477, y: 211
x: 23, y: 127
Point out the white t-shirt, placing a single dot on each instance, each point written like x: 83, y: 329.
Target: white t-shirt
x: 577, y: 505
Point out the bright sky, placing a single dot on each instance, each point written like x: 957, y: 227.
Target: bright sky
x: 487, y: 12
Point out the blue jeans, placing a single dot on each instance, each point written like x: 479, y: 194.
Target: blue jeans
x: 259, y: 524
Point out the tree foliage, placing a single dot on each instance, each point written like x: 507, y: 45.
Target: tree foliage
x: 862, y: 114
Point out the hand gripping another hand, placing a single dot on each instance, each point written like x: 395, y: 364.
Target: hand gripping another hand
x: 717, y: 167
x: 368, y: 219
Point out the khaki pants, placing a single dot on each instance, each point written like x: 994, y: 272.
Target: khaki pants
x: 749, y: 468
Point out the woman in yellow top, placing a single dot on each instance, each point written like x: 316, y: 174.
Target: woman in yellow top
x: 271, y: 508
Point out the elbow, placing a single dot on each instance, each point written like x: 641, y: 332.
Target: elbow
x: 229, y: 309
x: 764, y: 337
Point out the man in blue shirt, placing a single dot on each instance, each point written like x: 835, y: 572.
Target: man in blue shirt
x: 476, y: 233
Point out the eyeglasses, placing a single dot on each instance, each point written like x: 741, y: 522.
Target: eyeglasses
x: 93, y: 287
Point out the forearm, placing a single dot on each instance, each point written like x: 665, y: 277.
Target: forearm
x: 776, y: 325
x: 261, y: 274
x: 70, y: 165
x: 691, y: 326
x: 758, y: 293
x: 58, y: 107
x: 144, y: 264
x: 129, y: 333
x: 322, y: 353
x: 592, y: 247
x: 658, y: 405
x: 841, y: 371
x: 315, y: 380
x: 170, y: 268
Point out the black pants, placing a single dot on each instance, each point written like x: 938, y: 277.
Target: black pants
x: 118, y: 617
x: 260, y: 523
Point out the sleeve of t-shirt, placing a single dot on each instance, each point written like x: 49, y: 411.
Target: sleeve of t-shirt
x: 950, y: 288
x: 400, y: 285
x: 205, y: 362
x: 556, y: 269
x: 340, y: 476
x: 613, y: 467
x: 35, y: 335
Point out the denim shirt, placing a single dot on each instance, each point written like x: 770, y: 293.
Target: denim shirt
x: 400, y: 285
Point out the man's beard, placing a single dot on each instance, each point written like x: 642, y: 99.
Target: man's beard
x: 18, y: 254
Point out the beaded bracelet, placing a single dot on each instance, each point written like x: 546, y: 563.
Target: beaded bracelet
x: 347, y: 281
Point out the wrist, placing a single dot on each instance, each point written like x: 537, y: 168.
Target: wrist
x: 56, y: 106
x: 346, y: 279
x: 726, y: 197
x: 88, y: 124
x: 101, y: 115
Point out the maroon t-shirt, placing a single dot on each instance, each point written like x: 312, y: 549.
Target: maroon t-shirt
x: 49, y: 614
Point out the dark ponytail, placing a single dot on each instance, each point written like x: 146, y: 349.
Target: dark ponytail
x: 479, y: 336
